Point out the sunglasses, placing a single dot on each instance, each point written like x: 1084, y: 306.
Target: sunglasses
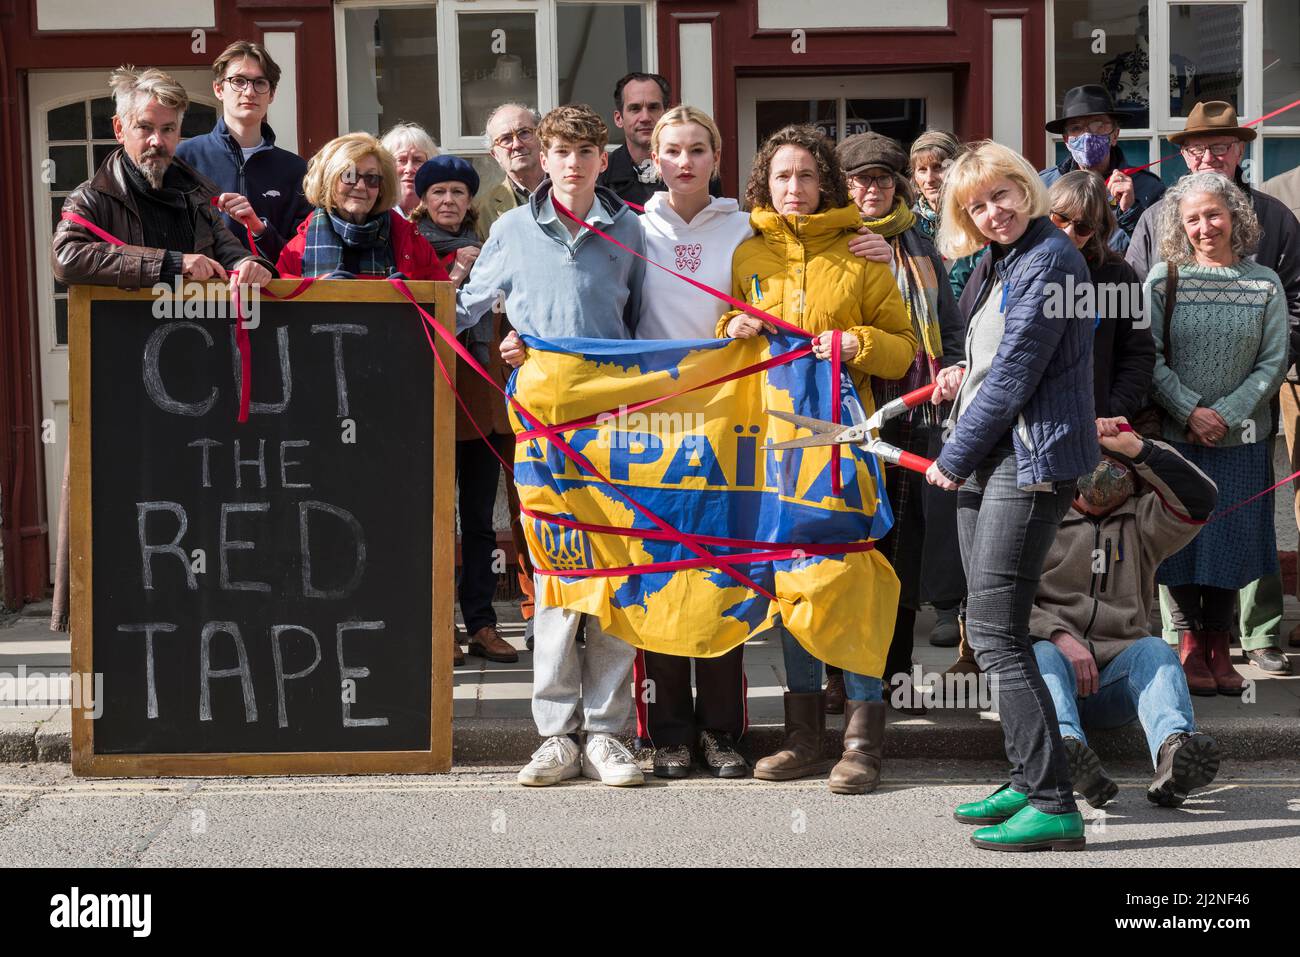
x: 372, y: 180
x: 1081, y: 229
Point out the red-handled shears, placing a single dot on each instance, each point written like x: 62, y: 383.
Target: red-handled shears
x: 865, y: 435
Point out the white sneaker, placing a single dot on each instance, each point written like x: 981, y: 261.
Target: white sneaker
x: 558, y: 759
x: 607, y: 761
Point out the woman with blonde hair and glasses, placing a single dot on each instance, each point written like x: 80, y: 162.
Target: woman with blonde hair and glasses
x: 353, y: 231
x: 1022, y: 431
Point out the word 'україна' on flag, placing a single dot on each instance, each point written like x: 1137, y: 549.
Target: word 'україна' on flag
x: 695, y: 465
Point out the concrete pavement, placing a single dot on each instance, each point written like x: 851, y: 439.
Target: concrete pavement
x: 492, y: 709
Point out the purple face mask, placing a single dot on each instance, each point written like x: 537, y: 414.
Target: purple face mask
x: 1089, y: 149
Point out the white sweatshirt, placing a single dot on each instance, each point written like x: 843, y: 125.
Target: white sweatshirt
x: 701, y: 249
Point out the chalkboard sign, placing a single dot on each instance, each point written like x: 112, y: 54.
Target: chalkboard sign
x: 273, y: 596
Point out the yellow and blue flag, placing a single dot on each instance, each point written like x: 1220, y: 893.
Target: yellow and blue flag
x: 697, y: 461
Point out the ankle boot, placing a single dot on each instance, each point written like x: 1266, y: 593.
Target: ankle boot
x: 801, y: 755
x: 965, y: 663
x: 858, y: 771
x: 1225, y: 677
x: 1196, y: 665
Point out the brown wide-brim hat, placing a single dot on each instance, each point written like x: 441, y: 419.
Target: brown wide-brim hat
x: 1212, y: 118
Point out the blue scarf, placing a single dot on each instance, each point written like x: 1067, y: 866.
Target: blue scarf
x: 333, y: 242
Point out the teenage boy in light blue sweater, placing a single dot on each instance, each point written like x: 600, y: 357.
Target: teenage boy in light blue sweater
x: 558, y: 279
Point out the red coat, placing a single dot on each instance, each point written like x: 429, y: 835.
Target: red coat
x: 413, y: 257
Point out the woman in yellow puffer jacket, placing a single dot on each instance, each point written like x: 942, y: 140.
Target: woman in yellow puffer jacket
x: 799, y: 269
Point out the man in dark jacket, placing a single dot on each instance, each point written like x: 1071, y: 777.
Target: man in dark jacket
x: 156, y: 206
x: 1090, y: 124
x: 639, y: 100
x: 1214, y: 141
x: 260, y: 184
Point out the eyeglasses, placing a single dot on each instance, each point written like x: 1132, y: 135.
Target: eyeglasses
x: 1217, y: 149
x: 1081, y: 229
x: 241, y: 83
x: 1099, y: 126
x: 351, y: 177
x: 523, y: 135
x: 882, y: 182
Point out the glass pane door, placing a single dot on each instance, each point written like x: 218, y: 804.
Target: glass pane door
x: 1205, y: 55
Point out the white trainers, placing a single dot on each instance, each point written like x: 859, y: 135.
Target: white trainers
x: 558, y: 759
x: 607, y: 761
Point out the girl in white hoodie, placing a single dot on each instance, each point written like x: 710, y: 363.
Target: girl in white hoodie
x: 694, y: 234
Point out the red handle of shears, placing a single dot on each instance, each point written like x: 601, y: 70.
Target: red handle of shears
x: 920, y: 396
x: 916, y: 463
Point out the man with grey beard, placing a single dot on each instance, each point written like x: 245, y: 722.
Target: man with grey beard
x: 156, y: 205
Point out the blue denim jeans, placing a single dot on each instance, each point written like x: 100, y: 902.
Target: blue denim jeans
x: 803, y: 674
x: 1144, y: 681
x: 1005, y: 535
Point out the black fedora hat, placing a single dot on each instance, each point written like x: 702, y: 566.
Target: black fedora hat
x: 1087, y: 100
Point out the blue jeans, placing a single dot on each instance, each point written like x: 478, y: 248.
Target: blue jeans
x: 1144, y: 681
x: 803, y: 674
x: 1006, y: 533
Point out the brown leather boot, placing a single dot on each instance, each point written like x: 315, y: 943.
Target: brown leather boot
x: 1196, y: 664
x: 965, y: 663
x: 1225, y: 677
x: 835, y: 694
x: 488, y: 643
x: 457, y: 656
x: 858, y: 770
x: 805, y: 726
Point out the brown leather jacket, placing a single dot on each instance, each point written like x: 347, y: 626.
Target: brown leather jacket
x: 108, y: 201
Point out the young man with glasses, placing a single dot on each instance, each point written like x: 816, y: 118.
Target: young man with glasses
x: 1090, y: 124
x: 511, y: 135
x: 1214, y: 141
x: 258, y: 184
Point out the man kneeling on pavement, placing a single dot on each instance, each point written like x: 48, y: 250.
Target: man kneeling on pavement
x: 1091, y: 619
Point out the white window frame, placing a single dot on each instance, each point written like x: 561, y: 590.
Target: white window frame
x: 449, y: 137
x: 1161, y: 122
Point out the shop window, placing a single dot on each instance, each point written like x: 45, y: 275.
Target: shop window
x: 1281, y: 155
x: 392, y: 67
x: 1105, y: 42
x: 597, y: 44
x: 1205, y: 55
x: 903, y: 120
x: 498, y: 64
x: 772, y: 115
x: 1281, y: 61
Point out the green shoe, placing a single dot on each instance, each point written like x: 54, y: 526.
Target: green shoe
x: 994, y: 809
x: 1033, y: 830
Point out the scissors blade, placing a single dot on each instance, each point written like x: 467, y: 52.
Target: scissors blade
x: 816, y: 425
x: 853, y: 435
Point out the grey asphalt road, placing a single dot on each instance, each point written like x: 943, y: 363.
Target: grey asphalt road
x: 479, y: 816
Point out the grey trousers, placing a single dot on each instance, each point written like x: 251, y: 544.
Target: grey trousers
x: 578, y: 688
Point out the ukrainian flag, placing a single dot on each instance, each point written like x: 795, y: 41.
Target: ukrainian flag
x: 698, y: 461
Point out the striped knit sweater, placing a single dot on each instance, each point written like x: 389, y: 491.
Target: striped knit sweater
x: 1228, y: 343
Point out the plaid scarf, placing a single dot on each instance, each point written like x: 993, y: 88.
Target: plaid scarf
x: 918, y: 282
x: 334, y: 244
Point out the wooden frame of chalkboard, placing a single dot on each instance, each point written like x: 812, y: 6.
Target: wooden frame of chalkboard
x: 437, y: 756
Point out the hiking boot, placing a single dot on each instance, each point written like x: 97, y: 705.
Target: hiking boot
x: 1269, y: 660
x: 1187, y: 760
x: 1089, y: 777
